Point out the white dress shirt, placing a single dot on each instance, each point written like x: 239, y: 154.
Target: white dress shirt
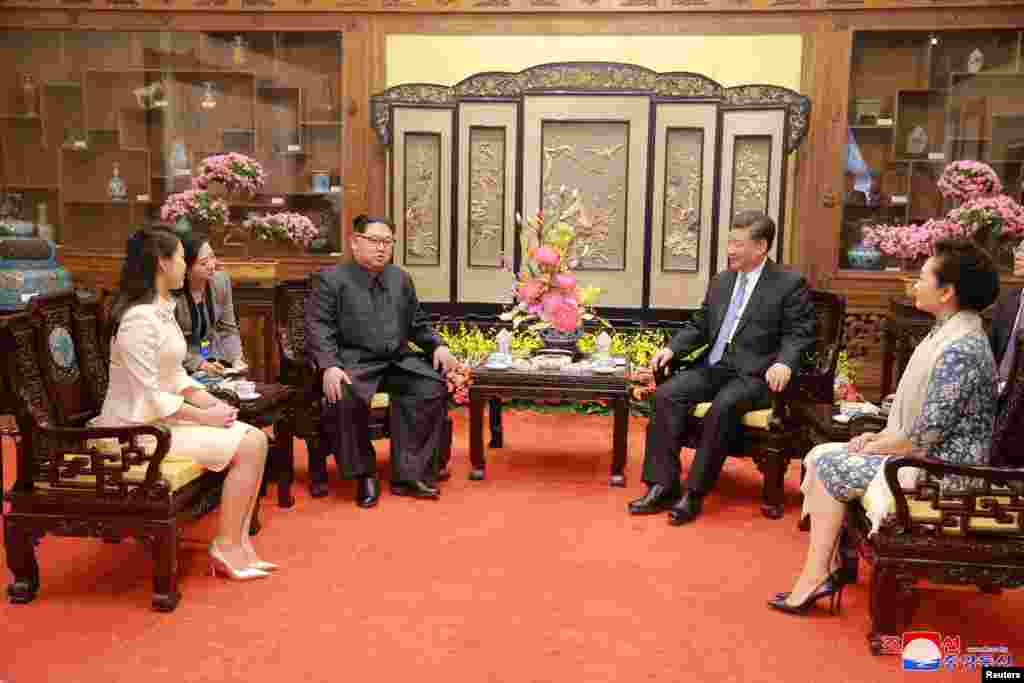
x: 752, y: 278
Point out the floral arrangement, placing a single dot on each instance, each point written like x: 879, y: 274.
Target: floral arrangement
x: 459, y: 381
x: 994, y: 215
x: 547, y: 288
x: 237, y: 172
x: 965, y: 180
x: 284, y: 226
x: 196, y: 206
x: 984, y: 214
x: 844, y: 386
x: 908, y: 242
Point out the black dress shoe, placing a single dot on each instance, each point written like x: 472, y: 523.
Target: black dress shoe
x: 686, y: 510
x: 367, y: 492
x: 414, y: 489
x: 657, y: 499
x: 318, y: 489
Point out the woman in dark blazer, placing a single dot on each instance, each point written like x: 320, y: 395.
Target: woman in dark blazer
x: 206, y: 312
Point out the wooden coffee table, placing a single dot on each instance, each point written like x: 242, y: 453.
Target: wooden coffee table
x: 552, y: 384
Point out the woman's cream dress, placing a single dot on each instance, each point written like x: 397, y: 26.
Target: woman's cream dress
x: 146, y: 384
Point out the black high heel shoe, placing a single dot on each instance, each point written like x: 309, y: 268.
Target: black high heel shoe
x: 839, y: 577
x: 827, y: 589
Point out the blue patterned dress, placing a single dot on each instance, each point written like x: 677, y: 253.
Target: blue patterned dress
x: 955, y: 424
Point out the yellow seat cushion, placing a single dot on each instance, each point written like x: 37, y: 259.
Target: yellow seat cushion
x: 923, y: 511
x: 175, y: 470
x: 380, y: 401
x: 755, y: 419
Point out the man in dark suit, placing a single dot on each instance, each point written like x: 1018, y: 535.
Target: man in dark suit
x: 757, y: 320
x: 360, y: 319
x: 1007, y: 322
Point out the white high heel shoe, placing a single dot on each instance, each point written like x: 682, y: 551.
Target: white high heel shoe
x: 219, y: 562
x: 262, y: 565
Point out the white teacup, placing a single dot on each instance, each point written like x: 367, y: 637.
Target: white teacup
x: 245, y: 389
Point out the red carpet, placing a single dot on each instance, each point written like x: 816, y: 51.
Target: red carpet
x: 537, y: 574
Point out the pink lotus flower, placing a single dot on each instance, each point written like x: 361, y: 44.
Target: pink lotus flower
x: 546, y: 256
x: 565, y: 281
x: 530, y: 290
x: 566, y: 316
x: 551, y: 301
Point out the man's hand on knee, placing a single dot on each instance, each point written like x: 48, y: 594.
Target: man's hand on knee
x: 778, y: 376
x: 661, y: 358
x: 333, y: 378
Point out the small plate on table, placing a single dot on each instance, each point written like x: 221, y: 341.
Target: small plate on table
x: 605, y: 369
x: 249, y: 397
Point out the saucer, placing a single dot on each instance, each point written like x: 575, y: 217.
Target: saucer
x: 250, y: 397
x: 605, y: 371
x: 497, y: 366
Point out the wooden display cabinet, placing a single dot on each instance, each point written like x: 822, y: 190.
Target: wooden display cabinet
x: 133, y: 97
x: 969, y: 108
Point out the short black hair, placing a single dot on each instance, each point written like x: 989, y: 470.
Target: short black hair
x: 761, y: 226
x: 970, y: 270
x: 362, y: 221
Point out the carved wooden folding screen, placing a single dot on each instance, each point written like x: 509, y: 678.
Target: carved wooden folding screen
x: 662, y: 163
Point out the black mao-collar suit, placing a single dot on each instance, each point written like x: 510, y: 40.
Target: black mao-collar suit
x: 363, y: 323
x: 777, y: 325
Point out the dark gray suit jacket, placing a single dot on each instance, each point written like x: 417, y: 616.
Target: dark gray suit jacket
x: 1004, y: 314
x: 225, y: 340
x: 777, y: 325
x: 348, y: 328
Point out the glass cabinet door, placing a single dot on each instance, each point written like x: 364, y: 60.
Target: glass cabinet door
x: 919, y: 101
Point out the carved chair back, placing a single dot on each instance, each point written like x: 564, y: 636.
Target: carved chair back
x: 817, y: 375
x: 290, y: 316
x: 70, y: 355
x: 58, y: 374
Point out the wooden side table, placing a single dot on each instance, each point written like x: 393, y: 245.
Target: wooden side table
x: 272, y: 408
x: 548, y: 385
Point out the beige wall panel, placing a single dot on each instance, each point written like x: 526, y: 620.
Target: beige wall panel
x: 622, y: 288
x: 751, y: 170
x: 671, y: 286
x: 433, y: 281
x: 480, y: 281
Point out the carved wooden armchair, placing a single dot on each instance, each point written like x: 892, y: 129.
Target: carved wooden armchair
x: 975, y: 538
x: 775, y: 435
x: 298, y: 370
x: 106, y: 483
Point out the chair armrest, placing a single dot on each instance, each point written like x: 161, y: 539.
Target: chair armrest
x: 227, y: 395
x: 866, y: 423
x: 62, y: 442
x: 938, y: 469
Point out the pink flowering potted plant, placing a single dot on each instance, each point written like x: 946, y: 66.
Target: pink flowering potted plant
x: 233, y: 172
x: 281, y: 228
x: 547, y: 294
x: 965, y: 180
x: 982, y: 214
x: 193, y: 208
